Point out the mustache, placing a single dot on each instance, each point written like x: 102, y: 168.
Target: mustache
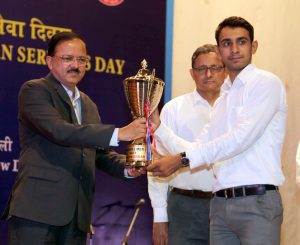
x: 208, y: 80
x: 73, y: 70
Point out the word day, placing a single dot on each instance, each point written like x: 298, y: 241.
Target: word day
x: 31, y: 55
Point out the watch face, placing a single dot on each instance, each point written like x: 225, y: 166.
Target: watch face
x: 184, y: 160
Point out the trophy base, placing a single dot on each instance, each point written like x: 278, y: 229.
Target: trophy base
x: 136, y: 156
x: 138, y: 164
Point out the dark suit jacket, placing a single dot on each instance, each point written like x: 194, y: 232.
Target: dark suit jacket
x: 57, y: 158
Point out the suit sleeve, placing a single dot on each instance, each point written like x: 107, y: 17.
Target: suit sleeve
x: 111, y: 162
x: 42, y: 111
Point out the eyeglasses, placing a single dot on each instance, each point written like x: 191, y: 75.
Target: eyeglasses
x: 213, y: 69
x: 68, y: 59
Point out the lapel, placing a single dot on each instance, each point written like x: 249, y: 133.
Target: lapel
x: 56, y: 85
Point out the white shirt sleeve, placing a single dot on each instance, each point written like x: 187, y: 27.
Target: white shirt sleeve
x: 158, y: 193
x: 114, y: 138
x: 158, y: 188
x: 253, y: 118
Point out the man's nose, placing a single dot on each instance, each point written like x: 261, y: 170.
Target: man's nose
x: 208, y: 72
x: 75, y: 62
x: 234, y: 48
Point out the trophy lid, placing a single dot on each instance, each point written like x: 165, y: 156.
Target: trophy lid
x: 143, y: 87
x: 144, y: 72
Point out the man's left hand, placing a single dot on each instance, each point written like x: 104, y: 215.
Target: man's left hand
x: 135, y: 172
x: 165, y: 166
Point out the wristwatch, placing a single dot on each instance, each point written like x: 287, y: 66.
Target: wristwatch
x: 184, y: 160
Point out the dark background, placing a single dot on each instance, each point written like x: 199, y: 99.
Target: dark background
x: 131, y: 31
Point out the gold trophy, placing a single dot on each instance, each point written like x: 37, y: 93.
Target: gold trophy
x: 143, y: 92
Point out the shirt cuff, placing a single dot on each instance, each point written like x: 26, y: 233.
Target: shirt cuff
x: 126, y: 175
x: 114, y: 138
x: 197, y: 157
x: 160, y: 215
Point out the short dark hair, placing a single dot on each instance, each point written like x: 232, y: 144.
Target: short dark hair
x: 233, y: 22
x: 61, y: 37
x: 205, y: 49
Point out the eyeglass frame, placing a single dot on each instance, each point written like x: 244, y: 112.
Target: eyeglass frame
x: 68, y: 59
x: 213, y: 69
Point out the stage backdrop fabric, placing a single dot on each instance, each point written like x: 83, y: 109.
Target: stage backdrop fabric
x: 119, y: 35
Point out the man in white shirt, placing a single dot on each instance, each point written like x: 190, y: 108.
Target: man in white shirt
x: 242, y: 143
x: 181, y: 216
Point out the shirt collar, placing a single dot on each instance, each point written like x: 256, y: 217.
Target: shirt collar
x: 242, y: 77
x: 70, y: 93
x: 197, y: 98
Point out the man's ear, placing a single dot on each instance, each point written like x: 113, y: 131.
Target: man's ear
x: 254, y: 46
x: 216, y: 47
x: 192, y: 73
x: 49, y: 61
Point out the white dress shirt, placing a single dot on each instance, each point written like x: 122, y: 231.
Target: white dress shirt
x: 186, y: 116
x: 244, y: 139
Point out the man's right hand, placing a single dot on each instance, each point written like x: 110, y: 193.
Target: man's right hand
x: 132, y: 131
x: 160, y: 233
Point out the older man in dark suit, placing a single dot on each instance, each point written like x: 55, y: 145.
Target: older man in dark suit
x: 61, y: 137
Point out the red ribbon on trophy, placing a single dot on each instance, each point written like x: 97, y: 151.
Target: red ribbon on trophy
x: 149, y: 131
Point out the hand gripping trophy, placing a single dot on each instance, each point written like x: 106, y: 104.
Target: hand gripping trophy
x: 143, y: 92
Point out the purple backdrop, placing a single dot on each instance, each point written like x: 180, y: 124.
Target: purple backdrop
x: 117, y: 38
